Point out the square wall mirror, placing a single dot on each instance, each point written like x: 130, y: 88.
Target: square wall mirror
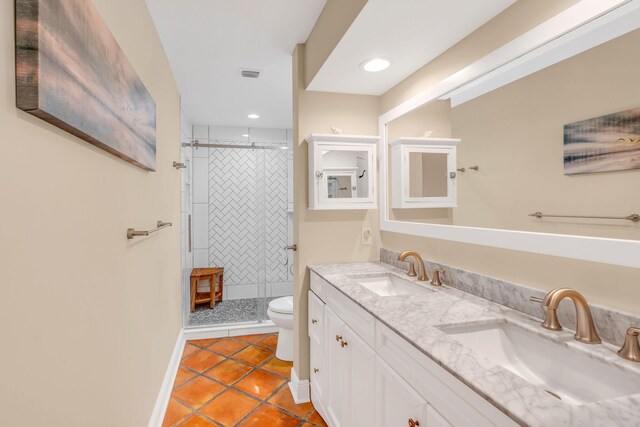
x: 548, y: 158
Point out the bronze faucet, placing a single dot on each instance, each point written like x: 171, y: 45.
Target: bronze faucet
x: 585, y: 329
x: 422, y: 271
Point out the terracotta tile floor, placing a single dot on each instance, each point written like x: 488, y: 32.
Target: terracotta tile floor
x: 236, y: 382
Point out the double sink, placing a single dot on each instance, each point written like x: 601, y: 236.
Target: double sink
x: 565, y: 372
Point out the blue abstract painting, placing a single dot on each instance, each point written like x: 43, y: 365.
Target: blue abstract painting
x: 71, y: 72
x: 604, y: 144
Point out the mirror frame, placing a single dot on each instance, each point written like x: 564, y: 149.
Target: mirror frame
x: 587, y: 24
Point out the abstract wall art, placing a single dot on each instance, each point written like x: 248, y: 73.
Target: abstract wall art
x: 71, y: 72
x: 603, y: 144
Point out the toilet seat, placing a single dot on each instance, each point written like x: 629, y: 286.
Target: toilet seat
x: 282, y: 305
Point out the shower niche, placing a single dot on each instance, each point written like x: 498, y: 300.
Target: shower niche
x: 342, y: 171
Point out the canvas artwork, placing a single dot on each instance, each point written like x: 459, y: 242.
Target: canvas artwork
x: 71, y: 72
x: 603, y: 144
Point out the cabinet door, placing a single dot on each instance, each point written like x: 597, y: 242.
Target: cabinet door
x: 316, y: 321
x: 396, y: 402
x: 337, y: 369
x: 318, y: 344
x: 361, y: 380
x: 434, y: 419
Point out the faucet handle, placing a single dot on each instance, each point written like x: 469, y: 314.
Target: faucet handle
x: 412, y: 269
x: 631, y: 349
x: 436, y: 280
x: 551, y: 318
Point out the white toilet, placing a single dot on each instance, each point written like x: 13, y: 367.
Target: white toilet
x: 281, y: 313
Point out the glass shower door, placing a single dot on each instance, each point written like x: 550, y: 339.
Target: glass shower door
x: 241, y: 223
x: 236, y: 228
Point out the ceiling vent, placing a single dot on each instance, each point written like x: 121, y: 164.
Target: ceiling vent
x: 250, y: 74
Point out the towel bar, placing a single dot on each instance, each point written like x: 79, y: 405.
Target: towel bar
x: 131, y: 233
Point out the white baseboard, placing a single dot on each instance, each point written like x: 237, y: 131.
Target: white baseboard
x: 299, y: 388
x: 157, y: 416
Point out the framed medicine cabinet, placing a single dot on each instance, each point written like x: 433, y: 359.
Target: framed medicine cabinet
x: 342, y: 171
x: 424, y: 172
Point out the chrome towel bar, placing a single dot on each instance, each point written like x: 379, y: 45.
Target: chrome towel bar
x: 131, y: 233
x: 632, y: 217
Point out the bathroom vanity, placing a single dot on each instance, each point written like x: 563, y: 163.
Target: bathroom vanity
x: 388, y: 350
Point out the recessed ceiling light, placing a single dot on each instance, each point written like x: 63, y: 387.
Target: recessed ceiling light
x: 245, y: 135
x: 253, y: 116
x: 375, y: 64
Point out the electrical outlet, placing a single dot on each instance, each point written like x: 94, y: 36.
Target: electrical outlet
x: 367, y: 235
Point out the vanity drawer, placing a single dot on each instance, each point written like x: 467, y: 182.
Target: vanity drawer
x: 362, y: 323
x: 318, y: 284
x: 459, y: 405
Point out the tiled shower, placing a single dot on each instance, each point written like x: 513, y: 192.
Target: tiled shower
x: 240, y: 202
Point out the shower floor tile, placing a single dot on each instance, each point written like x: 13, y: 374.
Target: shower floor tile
x: 231, y: 311
x: 249, y: 394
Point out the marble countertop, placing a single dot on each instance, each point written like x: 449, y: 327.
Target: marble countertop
x: 417, y: 317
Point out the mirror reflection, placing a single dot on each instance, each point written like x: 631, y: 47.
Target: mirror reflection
x: 562, y: 141
x: 340, y: 186
x: 345, y: 174
x: 428, y: 175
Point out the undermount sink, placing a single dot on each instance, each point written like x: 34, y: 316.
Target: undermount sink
x: 389, y: 285
x: 563, y: 372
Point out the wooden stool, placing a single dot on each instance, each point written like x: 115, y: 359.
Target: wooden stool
x: 213, y: 275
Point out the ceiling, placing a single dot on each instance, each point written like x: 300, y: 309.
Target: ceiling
x: 209, y: 41
x: 410, y: 33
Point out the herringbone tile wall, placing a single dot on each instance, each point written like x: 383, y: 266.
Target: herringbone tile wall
x: 248, y: 219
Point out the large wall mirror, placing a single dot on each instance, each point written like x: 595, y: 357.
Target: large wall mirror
x: 550, y: 132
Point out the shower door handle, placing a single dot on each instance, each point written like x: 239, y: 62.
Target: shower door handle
x: 293, y: 247
x: 189, y: 234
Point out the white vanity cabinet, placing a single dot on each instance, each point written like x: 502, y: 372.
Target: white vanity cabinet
x: 363, y: 374
x: 424, y: 173
x: 342, y: 171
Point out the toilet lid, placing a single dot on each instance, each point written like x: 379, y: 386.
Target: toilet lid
x: 282, y: 305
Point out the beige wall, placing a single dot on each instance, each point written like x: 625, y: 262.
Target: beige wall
x: 334, y: 21
x: 515, y: 134
x: 89, y: 319
x: 324, y: 236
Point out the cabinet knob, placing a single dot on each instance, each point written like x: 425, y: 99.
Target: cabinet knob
x: 316, y: 370
x: 338, y: 337
x: 343, y: 344
x: 314, y: 321
x: 413, y: 423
